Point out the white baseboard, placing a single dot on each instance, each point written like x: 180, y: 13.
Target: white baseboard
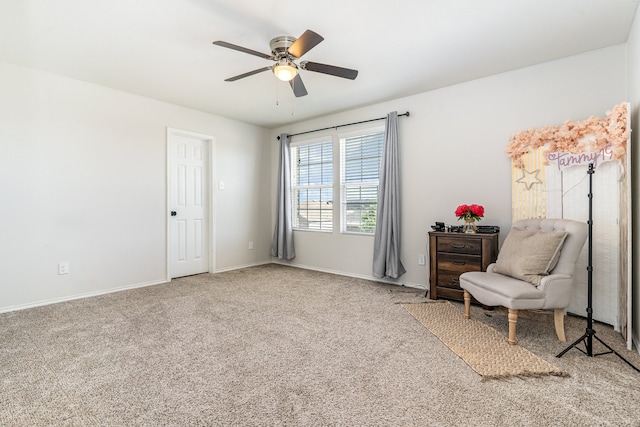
x: 78, y: 296
x: 238, y: 267
x: 358, y: 276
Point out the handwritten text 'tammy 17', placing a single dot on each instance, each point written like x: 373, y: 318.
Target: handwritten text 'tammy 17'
x: 566, y: 160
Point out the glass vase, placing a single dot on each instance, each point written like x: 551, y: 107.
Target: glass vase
x: 469, y: 226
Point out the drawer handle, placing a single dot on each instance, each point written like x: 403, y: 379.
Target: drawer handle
x: 455, y: 281
x: 458, y: 246
x: 458, y: 262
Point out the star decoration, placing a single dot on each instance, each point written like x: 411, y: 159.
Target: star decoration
x: 529, y: 178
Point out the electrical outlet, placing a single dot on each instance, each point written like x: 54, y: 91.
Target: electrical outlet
x: 422, y: 259
x: 251, y: 245
x: 63, y: 267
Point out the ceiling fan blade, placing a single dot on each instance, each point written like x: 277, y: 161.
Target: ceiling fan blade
x: 242, y: 49
x: 307, y: 41
x: 250, y: 73
x: 297, y: 86
x: 345, y: 73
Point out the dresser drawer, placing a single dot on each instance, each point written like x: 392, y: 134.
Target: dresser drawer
x: 459, y: 263
x: 460, y: 246
x: 449, y: 279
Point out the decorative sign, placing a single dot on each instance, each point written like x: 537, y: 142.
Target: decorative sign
x: 598, y: 137
x: 562, y: 160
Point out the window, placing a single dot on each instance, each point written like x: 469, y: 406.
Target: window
x: 312, y: 186
x: 359, y: 176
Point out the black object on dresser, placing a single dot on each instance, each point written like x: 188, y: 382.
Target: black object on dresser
x: 451, y: 254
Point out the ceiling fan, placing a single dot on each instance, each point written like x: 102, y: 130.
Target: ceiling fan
x: 284, y: 51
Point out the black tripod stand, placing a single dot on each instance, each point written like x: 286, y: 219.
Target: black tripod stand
x: 590, y: 333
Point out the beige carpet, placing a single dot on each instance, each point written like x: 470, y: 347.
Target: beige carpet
x: 484, y: 349
x: 280, y: 346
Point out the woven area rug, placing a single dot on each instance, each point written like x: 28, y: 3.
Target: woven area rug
x: 483, y: 348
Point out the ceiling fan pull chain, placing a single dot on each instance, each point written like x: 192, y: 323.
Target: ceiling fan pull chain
x: 293, y: 103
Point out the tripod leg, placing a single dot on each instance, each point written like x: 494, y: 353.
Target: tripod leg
x: 616, y: 353
x: 574, y: 345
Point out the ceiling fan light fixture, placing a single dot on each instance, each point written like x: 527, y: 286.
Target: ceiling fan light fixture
x: 285, y: 70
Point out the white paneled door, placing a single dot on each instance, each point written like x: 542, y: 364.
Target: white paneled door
x: 188, y: 163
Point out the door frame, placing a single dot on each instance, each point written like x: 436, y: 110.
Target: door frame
x: 210, y: 141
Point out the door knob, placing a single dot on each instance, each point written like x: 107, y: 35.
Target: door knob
x: 174, y: 213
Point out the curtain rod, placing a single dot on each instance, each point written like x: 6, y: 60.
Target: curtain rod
x: 347, y: 124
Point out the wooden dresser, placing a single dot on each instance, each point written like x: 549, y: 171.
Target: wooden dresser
x: 451, y: 254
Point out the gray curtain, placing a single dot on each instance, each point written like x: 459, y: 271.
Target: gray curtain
x: 282, y: 244
x: 386, y: 245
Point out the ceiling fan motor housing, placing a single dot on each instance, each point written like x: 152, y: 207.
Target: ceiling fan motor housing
x: 279, y: 46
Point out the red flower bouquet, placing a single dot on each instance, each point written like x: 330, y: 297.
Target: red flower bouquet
x: 470, y: 212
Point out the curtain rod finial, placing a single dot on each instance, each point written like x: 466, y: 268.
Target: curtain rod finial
x: 408, y: 114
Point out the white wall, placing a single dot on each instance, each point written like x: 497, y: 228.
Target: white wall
x: 452, y: 150
x: 83, y: 174
x: 83, y: 180
x: 633, y: 90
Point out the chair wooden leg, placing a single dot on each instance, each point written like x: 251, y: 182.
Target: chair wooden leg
x: 467, y: 305
x: 513, y: 319
x: 558, y: 320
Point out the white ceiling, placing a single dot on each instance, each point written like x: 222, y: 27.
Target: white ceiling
x: 163, y: 49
